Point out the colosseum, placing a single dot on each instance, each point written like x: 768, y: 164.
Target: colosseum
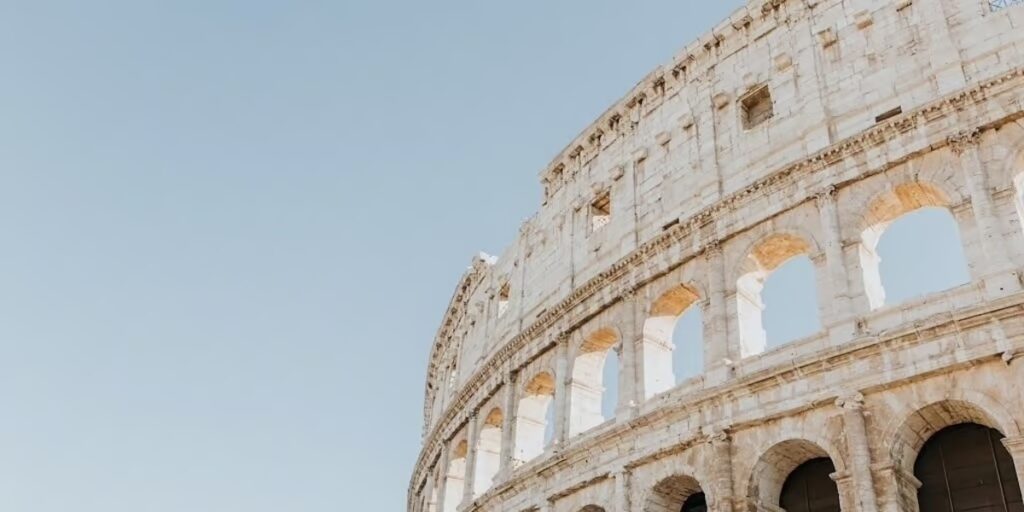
x: 794, y: 129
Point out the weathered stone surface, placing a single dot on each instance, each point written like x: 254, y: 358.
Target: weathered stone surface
x: 687, y: 193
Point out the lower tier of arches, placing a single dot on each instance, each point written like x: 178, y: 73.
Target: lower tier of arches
x: 950, y: 441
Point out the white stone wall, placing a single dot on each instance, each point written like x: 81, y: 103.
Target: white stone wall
x: 699, y: 201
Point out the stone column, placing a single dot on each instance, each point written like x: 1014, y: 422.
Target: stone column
x: 561, y: 427
x: 722, y: 485
x: 629, y: 390
x: 508, y: 425
x: 443, y: 471
x: 996, y: 270
x: 859, y: 465
x: 840, y: 308
x: 428, y: 491
x: 473, y: 436
x: 1015, y: 445
x: 721, y: 348
x: 621, y: 476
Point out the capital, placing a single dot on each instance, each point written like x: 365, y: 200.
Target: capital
x: 717, y: 435
x: 850, y: 401
x: 713, y: 247
x: 630, y: 295
x: 961, y: 141
x: 825, y: 195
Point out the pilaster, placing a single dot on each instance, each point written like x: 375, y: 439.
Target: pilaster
x: 996, y: 270
x: 839, y: 316
x: 621, y: 476
x: 629, y: 388
x: 722, y: 495
x: 442, y: 492
x: 721, y: 347
x: 855, y: 429
x: 508, y: 425
x: 561, y: 416
x: 473, y: 434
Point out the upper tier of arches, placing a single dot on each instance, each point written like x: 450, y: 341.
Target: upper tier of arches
x: 651, y: 177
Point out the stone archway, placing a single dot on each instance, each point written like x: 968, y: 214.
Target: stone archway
x: 780, y: 467
x: 673, y: 494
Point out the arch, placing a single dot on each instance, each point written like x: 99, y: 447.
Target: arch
x: 532, y: 413
x: 659, y: 328
x: 488, y: 451
x: 671, y: 494
x: 587, y: 388
x: 883, y: 209
x: 455, y: 478
x: 592, y: 508
x: 964, y: 406
x: 778, y: 463
x: 764, y: 257
x: 964, y: 468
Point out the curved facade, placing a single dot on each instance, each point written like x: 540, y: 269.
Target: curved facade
x: 795, y: 128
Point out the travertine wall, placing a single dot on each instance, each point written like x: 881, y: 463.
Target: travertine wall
x: 686, y: 194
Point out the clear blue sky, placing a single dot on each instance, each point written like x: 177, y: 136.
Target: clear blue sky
x: 228, y: 229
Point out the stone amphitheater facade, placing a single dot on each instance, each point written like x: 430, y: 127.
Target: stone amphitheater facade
x: 795, y: 127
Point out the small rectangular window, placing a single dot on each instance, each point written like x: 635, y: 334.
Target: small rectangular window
x: 889, y: 114
x: 504, y: 293
x: 757, y: 107
x: 601, y: 211
x: 998, y: 5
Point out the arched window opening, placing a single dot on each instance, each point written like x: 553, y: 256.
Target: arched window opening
x: 453, y: 376
x: 966, y: 468
x: 455, y: 479
x: 913, y: 229
x: 810, y: 488
x: 790, y: 303
x: 588, y: 388
x: 676, y: 494
x: 534, y: 425
x: 488, y: 452
x: 504, y: 296
x: 673, y: 349
x: 610, y: 381
x: 920, y: 254
x: 592, y: 508
x: 791, y: 296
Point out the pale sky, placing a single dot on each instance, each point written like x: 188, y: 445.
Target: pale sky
x: 229, y: 229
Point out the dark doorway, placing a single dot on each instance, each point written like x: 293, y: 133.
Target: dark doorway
x: 810, y: 488
x: 695, y: 503
x: 966, y: 468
